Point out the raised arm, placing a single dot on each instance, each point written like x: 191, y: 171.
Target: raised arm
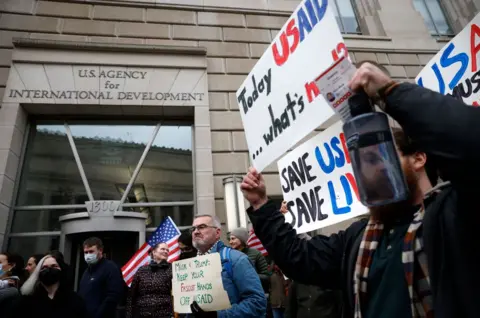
x: 443, y: 127
x: 317, y: 261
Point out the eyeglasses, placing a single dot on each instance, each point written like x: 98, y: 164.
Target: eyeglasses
x: 201, y: 227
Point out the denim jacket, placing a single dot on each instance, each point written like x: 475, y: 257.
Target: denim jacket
x: 244, y: 288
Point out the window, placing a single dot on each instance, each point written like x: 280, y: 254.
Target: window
x: 52, y: 184
x: 345, y: 15
x: 434, y: 17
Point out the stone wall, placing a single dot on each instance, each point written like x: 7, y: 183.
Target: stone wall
x: 235, y: 34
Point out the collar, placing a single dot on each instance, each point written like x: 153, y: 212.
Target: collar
x: 215, y: 247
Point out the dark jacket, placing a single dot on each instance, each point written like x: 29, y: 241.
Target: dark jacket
x: 306, y: 301
x: 449, y: 132
x: 102, y: 288
x: 66, y: 303
x: 151, y: 292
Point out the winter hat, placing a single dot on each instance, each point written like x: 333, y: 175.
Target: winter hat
x: 241, y: 233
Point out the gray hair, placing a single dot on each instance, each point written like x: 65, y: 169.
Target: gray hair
x: 29, y: 286
x: 215, y: 219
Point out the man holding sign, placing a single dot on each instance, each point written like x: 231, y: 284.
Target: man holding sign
x: 239, y: 278
x: 416, y: 258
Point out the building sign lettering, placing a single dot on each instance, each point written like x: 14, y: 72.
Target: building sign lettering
x: 104, y: 95
x: 47, y: 83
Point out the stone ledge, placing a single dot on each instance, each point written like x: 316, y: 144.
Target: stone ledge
x: 108, y: 47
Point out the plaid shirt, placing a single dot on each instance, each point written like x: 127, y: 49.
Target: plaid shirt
x: 414, y: 262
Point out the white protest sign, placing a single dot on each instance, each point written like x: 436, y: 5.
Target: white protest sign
x: 318, y: 183
x: 455, y: 69
x: 279, y: 100
x: 199, y: 279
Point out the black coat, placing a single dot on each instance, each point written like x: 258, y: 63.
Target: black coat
x: 307, y: 301
x: 66, y: 303
x: 449, y: 132
x: 102, y: 288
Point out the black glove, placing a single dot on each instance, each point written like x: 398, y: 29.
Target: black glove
x: 198, y: 312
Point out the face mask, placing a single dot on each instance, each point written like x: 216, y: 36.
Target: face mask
x: 2, y: 272
x: 91, y: 258
x: 49, y: 276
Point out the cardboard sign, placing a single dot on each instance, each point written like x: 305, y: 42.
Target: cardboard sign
x: 199, y: 279
x: 455, y: 70
x: 279, y: 101
x: 318, y: 183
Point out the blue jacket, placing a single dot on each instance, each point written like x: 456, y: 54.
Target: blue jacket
x: 102, y: 288
x: 242, y: 286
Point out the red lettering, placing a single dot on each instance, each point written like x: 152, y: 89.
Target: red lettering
x: 340, y: 50
x: 474, y: 31
x: 353, y: 183
x: 344, y: 146
x: 475, y: 104
x: 312, y: 91
x: 291, y: 31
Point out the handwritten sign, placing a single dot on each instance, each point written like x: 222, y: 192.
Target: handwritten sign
x: 454, y: 70
x: 318, y: 183
x: 199, y: 279
x: 279, y: 100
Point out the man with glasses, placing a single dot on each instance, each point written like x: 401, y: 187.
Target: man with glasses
x: 239, y: 278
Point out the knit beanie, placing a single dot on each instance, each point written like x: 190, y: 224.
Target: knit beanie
x: 241, y: 233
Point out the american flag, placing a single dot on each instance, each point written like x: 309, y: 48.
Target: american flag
x: 167, y: 232
x: 254, y: 242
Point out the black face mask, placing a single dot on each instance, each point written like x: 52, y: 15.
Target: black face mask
x: 50, y: 276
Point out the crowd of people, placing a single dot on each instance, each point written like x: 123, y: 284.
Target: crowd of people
x: 414, y: 258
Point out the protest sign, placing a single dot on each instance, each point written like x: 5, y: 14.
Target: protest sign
x: 199, y: 279
x: 454, y: 70
x: 318, y: 183
x: 279, y: 101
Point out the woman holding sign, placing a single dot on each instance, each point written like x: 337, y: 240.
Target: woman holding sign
x: 150, y: 294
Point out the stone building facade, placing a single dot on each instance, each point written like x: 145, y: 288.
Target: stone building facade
x: 213, y: 43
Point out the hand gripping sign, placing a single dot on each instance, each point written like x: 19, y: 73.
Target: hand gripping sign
x: 454, y: 70
x: 278, y: 100
x: 199, y: 279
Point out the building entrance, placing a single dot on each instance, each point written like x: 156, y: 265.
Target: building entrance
x: 118, y: 247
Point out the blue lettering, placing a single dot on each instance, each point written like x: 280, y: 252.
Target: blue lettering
x: 446, y: 61
x: 333, y: 198
x: 321, y: 9
x: 340, y: 158
x: 438, y: 74
x: 311, y: 13
x: 303, y: 24
x: 331, y: 165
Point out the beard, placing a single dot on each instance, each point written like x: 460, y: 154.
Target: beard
x: 390, y: 212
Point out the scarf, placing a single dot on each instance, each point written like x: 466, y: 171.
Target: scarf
x: 414, y: 263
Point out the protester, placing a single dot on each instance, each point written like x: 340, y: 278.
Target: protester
x: 46, y: 293
x: 11, y: 279
x: 12, y: 271
x: 68, y: 269
x: 102, y: 285
x: 416, y: 258
x: 278, y: 286
x: 238, y: 275
x: 238, y: 241
x: 151, y: 291
x: 186, y: 246
x: 307, y: 301
x: 32, y: 263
